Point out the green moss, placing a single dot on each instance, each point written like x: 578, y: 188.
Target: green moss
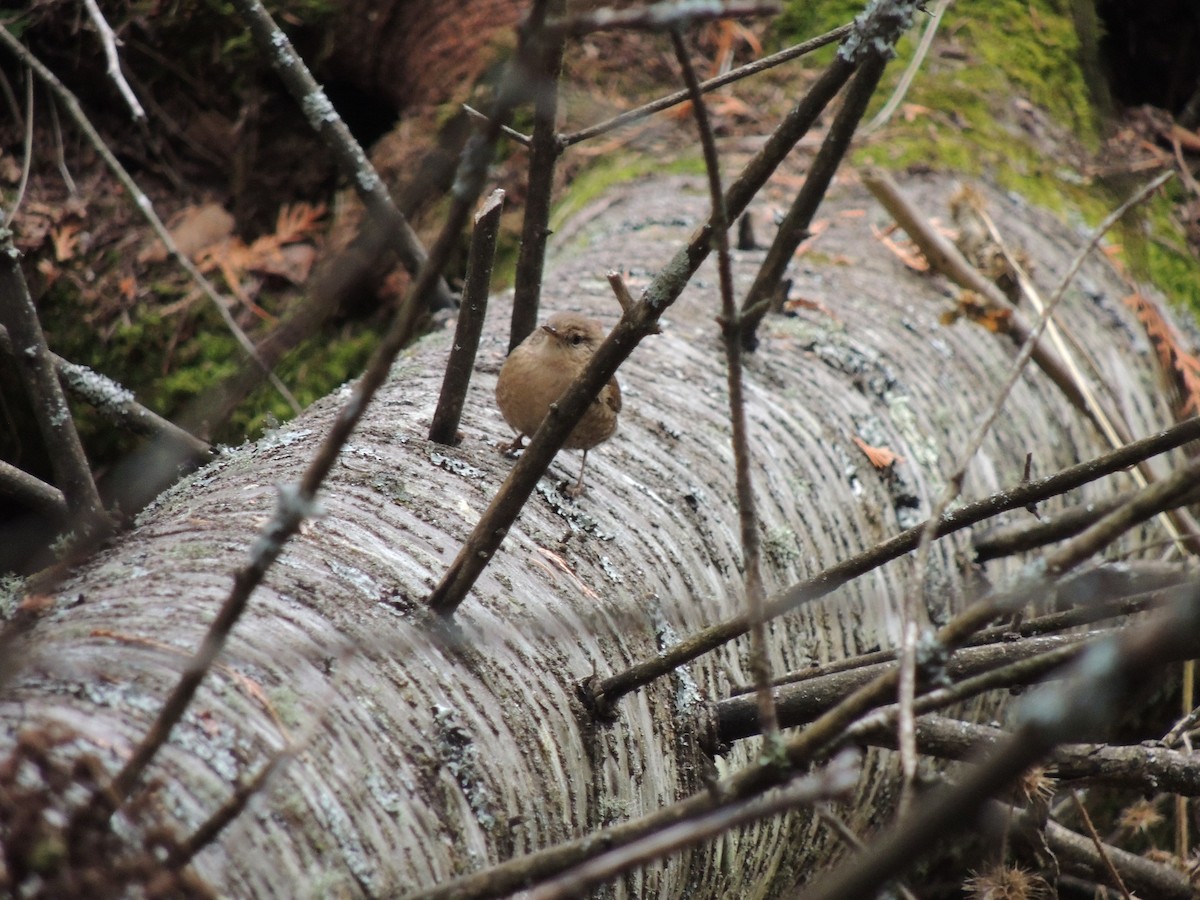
x: 47, y: 854
x: 1153, y: 250
x: 802, y: 20
x: 595, y: 180
x: 199, y: 354
x: 312, y: 371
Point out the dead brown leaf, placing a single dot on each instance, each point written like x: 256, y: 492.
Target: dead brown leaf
x: 291, y: 263
x: 974, y: 308
x: 879, y: 457
x: 1180, y: 365
x: 1186, y: 138
x: 298, y: 222
x: 65, y: 239
x: 906, y: 251
x: 36, y: 604
x: 195, y: 229
x: 796, y: 303
x: 128, y: 287
x: 914, y: 111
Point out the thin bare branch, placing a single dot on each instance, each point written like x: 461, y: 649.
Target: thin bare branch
x: 1101, y: 850
x: 505, y: 130
x: 1109, y: 421
x: 1051, y: 623
x: 296, y: 502
x: 1051, y: 716
x: 19, y: 316
x: 656, y: 17
x: 803, y: 701
x: 767, y: 62
x: 849, y: 838
x: 17, y: 484
x: 59, y: 152
x: 444, y: 429
x: 27, y: 149
x: 114, y: 402
x: 541, y: 56
x: 611, y: 689
x: 910, y: 72
x: 1140, y: 767
x: 832, y: 782
x: 1022, y: 536
x: 1148, y: 878
x: 109, y: 40
x: 731, y: 334
x: 794, y: 227
x: 624, y: 298
x: 955, y: 480
x: 206, y: 834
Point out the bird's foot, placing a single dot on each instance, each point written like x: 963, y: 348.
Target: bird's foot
x: 511, y: 449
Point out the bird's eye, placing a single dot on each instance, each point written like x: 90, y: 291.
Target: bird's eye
x: 577, y: 339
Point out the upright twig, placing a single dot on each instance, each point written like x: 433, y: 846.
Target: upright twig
x: 19, y: 316
x: 145, y: 207
x: 794, y: 227
x: 636, y: 324
x: 471, y: 312
x: 352, y: 162
x: 541, y: 55
x: 731, y: 334
x: 109, y: 40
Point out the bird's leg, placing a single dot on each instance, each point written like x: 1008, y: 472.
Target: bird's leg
x: 577, y: 489
x: 511, y: 448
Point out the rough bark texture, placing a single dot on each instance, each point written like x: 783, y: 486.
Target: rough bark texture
x: 431, y: 759
x: 410, y: 52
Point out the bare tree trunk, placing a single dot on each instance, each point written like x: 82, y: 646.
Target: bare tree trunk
x: 424, y: 757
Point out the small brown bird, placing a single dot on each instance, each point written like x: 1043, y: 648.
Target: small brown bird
x: 539, y: 371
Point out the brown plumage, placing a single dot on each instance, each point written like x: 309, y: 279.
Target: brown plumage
x: 539, y: 371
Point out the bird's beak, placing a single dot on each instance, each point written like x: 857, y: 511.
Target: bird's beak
x: 550, y: 331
